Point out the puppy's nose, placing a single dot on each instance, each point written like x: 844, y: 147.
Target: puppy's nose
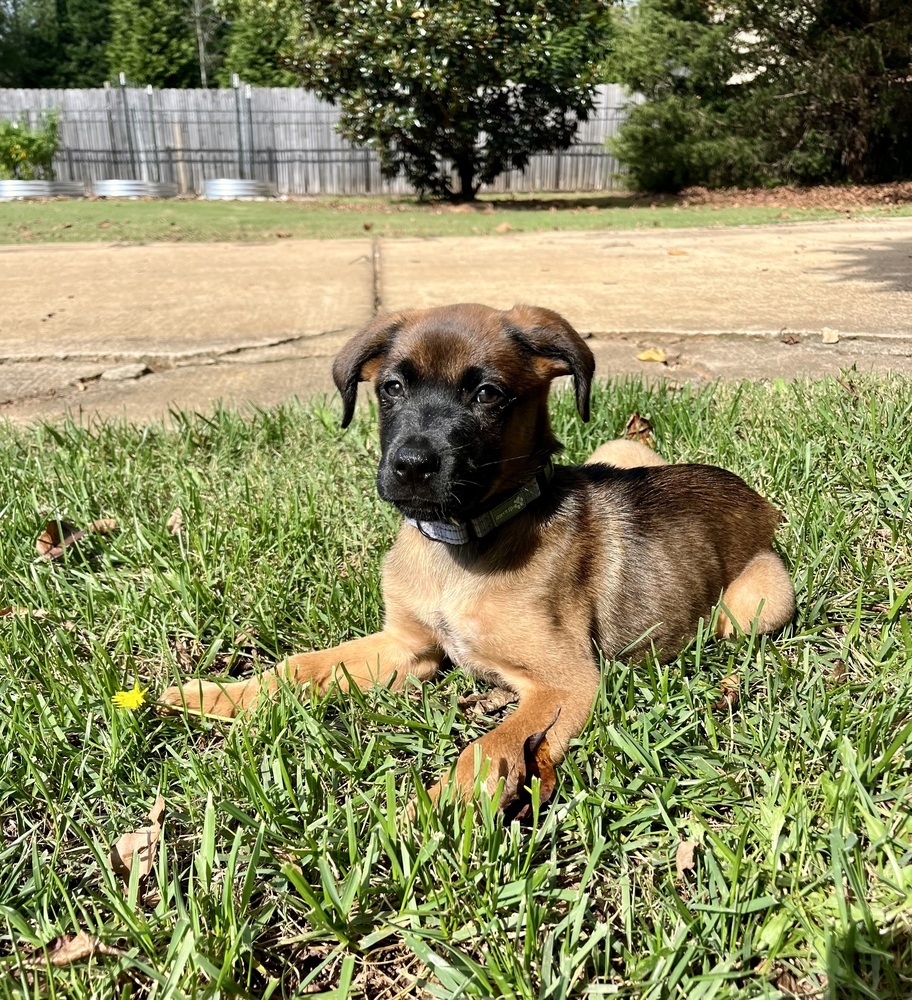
x: 415, y: 463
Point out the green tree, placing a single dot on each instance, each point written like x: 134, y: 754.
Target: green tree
x: 256, y: 44
x: 28, y: 43
x: 765, y: 91
x: 479, y: 84
x: 152, y: 41
x: 84, y: 31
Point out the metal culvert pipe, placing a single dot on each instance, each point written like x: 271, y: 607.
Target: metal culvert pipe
x: 10, y: 190
x: 234, y: 189
x: 123, y: 188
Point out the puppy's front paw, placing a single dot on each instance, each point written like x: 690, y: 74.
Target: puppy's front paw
x: 220, y: 701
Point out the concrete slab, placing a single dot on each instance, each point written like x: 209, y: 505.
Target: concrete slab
x: 196, y: 388
x: 277, y: 375
x: 168, y: 300
x: 854, y: 277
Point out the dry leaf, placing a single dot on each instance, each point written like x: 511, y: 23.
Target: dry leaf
x: 638, y: 428
x: 14, y: 611
x: 789, y: 338
x: 504, y: 227
x: 677, y: 253
x: 283, y: 234
x: 140, y: 846
x: 488, y: 701
x: 786, y: 983
x: 684, y: 856
x: 59, y: 535
x: 537, y: 764
x: 69, y: 948
x: 730, y: 692
x: 839, y: 671
x: 829, y: 336
x: 652, y: 354
x: 175, y: 521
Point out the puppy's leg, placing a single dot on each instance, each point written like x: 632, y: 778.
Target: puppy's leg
x: 387, y: 657
x: 765, y: 581
x: 623, y: 454
x: 567, y: 708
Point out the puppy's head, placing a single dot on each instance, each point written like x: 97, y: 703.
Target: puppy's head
x: 462, y: 392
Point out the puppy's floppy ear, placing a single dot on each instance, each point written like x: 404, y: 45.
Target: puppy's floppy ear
x: 359, y: 360
x: 556, y: 348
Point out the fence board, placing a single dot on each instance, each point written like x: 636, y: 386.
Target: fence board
x: 282, y: 135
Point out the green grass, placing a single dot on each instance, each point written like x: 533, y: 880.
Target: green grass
x: 285, y: 866
x: 336, y: 218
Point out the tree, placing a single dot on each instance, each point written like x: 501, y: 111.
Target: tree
x: 28, y: 43
x: 478, y: 84
x: 765, y: 91
x: 152, y: 42
x: 84, y: 31
x: 254, y: 45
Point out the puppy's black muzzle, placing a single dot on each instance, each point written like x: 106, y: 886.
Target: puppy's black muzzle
x: 415, y: 462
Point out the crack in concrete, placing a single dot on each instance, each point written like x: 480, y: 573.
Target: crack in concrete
x: 175, y: 357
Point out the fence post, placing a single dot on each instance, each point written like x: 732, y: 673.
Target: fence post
x: 177, y: 135
x: 248, y: 97
x: 127, y: 124
x: 236, y: 84
x: 154, y: 136
x: 112, y: 133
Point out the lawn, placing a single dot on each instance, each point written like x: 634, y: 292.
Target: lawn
x: 285, y: 866
x: 68, y: 221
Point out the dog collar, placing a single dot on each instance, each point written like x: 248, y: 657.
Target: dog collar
x: 455, y: 532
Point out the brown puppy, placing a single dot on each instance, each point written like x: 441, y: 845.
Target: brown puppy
x: 515, y: 571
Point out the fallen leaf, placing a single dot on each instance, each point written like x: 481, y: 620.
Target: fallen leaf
x: 639, y: 428
x: 652, y: 354
x: 14, y: 612
x: 537, y: 764
x: 684, y: 856
x: 69, y: 948
x: 829, y: 336
x: 368, y: 226
x: 730, y: 692
x: 140, y: 846
x: 677, y: 253
x: 504, y: 227
x: 789, y: 338
x: 175, y: 521
x: 59, y: 535
x: 483, y: 702
x: 786, y: 983
x: 283, y: 234
x: 104, y: 224
x: 839, y: 671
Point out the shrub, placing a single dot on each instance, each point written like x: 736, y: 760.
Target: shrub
x: 27, y: 152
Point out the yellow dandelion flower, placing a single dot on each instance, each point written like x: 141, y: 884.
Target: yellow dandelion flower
x: 131, y: 700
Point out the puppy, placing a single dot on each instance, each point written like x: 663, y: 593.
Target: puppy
x: 514, y: 568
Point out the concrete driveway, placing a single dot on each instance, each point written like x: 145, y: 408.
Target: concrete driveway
x: 133, y: 330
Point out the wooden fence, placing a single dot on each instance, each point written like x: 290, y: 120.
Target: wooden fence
x: 282, y: 135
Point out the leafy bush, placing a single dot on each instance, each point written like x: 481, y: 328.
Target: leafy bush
x: 765, y: 92
x: 27, y: 152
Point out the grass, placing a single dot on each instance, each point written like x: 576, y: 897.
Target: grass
x: 285, y: 868
x: 68, y: 221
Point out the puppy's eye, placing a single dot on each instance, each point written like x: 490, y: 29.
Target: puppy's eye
x: 393, y: 389
x: 488, y: 394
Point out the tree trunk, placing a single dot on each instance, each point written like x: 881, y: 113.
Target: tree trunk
x: 465, y: 169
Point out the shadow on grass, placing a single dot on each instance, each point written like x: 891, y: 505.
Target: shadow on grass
x: 867, y: 963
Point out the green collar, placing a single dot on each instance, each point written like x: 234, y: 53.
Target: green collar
x: 462, y: 532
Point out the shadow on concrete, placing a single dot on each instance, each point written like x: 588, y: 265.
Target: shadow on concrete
x: 887, y: 263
